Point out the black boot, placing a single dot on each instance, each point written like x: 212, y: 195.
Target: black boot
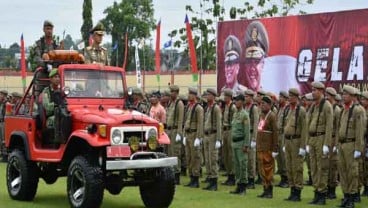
x: 345, y: 200
x: 230, y: 180
x: 269, y: 193
x: 309, y: 181
x: 296, y: 196
x: 356, y: 197
x: 207, y: 180
x: 321, y: 198
x: 190, y: 182
x: 263, y: 194
x: 315, y: 199
x: 331, y: 193
x: 250, y: 184
x: 259, y: 180
x: 212, y: 185
x: 240, y: 189
x: 183, y: 171
x: 284, y: 182
x: 195, y: 182
x: 292, y: 192
x: 365, y: 191
x: 177, y: 178
x: 350, y: 202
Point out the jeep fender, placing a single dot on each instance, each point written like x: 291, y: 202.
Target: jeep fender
x: 93, y: 140
x: 20, y: 139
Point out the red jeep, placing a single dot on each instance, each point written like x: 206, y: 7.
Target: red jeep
x: 101, y: 143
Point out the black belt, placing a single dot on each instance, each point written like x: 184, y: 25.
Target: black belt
x: 238, y: 139
x: 171, y: 127
x: 316, y: 134
x: 289, y: 137
x: 346, y: 140
x: 190, y: 130
x: 227, y: 128
x: 210, y: 132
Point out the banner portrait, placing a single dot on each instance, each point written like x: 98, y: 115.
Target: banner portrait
x: 276, y: 54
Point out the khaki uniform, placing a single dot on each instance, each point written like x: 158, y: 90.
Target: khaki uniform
x: 212, y: 133
x: 226, y: 138
x: 281, y: 117
x: 350, y: 138
x: 193, y: 127
x: 295, y: 137
x: 254, y: 113
x: 240, y: 135
x: 94, y: 55
x: 267, y: 142
x: 333, y: 172
x: 361, y: 159
x: 320, y: 134
x: 174, y: 126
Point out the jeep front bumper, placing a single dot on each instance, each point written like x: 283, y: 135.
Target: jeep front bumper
x: 141, y: 163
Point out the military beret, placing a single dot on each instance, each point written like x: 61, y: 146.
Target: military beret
x: 232, y: 48
x: 174, y: 88
x: 337, y: 97
x: 284, y: 94
x: 212, y: 91
x: 331, y: 91
x: 256, y: 39
x: 294, y: 92
x: 266, y: 99
x: 137, y: 91
x: 193, y: 91
x: 228, y: 92
x: 98, y: 29
x: 261, y: 92
x: 318, y: 85
x: 47, y: 23
x: 4, y: 92
x: 16, y: 94
x: 365, y: 94
x: 53, y: 72
x: 239, y: 97
x: 309, y: 97
x: 349, y: 89
x: 249, y: 92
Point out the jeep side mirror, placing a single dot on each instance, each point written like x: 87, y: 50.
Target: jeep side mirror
x: 130, y: 91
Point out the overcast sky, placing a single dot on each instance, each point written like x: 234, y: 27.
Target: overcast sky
x: 27, y: 16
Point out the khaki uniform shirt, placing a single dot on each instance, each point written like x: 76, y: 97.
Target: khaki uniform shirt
x: 281, y: 117
x: 194, y: 122
x: 336, y: 120
x: 324, y: 119
x: 298, y: 127
x: 228, y: 114
x: 213, y: 120
x: 254, y: 119
x: 94, y: 55
x: 175, y: 115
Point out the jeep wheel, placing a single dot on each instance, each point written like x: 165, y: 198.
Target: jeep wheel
x: 84, y: 184
x: 160, y: 192
x: 21, y: 177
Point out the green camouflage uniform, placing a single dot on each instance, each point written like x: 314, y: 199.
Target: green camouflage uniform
x: 42, y: 47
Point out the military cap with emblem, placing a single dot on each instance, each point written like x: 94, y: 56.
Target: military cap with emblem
x: 212, y: 91
x: 228, y: 92
x: 284, y: 94
x: 193, y: 91
x: 174, y: 88
x: 331, y: 91
x: 249, y: 92
x: 261, y: 92
x: 53, y: 72
x: 232, y: 49
x: 4, y: 92
x: 98, y: 29
x: 349, y: 89
x: 16, y: 94
x: 48, y: 23
x: 294, y: 92
x: 318, y: 85
x: 256, y: 47
x: 309, y: 97
x: 365, y: 95
x: 267, y: 99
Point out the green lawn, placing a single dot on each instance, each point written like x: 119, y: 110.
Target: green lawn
x: 55, y: 196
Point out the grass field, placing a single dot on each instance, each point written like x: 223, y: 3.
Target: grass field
x: 55, y: 196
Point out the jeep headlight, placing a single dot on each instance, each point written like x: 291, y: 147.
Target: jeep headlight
x: 116, y: 136
x: 152, y: 139
x: 134, y: 143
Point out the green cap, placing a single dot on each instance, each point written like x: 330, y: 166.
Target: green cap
x: 98, y: 29
x: 48, y: 23
x: 53, y: 72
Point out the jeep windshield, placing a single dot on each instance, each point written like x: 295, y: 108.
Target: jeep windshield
x: 94, y: 84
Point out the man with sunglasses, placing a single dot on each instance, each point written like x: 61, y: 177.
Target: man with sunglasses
x: 95, y: 53
x: 232, y: 52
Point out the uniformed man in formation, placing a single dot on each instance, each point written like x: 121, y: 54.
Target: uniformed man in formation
x: 95, y: 53
x: 3, y: 100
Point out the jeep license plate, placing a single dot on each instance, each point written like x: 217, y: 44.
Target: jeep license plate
x: 118, y: 151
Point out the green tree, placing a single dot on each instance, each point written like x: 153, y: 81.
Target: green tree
x: 87, y: 20
x: 134, y: 17
x: 204, y: 22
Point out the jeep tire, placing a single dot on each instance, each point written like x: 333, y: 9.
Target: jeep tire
x: 21, y: 177
x: 85, y: 185
x: 160, y: 192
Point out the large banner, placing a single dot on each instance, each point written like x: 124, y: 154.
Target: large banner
x: 276, y: 54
